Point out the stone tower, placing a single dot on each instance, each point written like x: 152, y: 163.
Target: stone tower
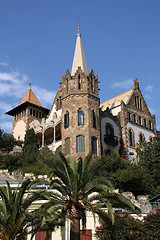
x: 80, y: 108
x: 29, y: 110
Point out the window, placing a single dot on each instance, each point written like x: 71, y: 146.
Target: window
x: 80, y: 117
x: 94, y: 145
x: 37, y: 114
x: 131, y: 138
x: 60, y: 102
x: 141, y: 137
x: 145, y: 123
x: 140, y: 103
x: 129, y: 116
x: 80, y: 144
x: 139, y: 119
x: 109, y: 129
x: 94, y: 124
x: 134, y: 118
x: 79, y: 82
x: 57, y: 103
x: 150, y: 126
x: 40, y: 115
x: 66, y: 120
x: 67, y: 84
x: 67, y: 146
x: 151, y: 139
x: 34, y: 113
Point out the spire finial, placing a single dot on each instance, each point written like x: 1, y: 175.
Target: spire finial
x: 78, y: 31
x: 29, y: 84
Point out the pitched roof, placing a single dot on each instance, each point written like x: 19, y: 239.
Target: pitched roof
x: 30, y: 97
x: 115, y: 101
x: 79, y: 57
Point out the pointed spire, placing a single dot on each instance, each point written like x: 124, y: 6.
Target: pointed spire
x: 79, y: 58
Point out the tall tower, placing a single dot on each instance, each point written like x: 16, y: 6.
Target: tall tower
x: 80, y: 108
x: 29, y: 110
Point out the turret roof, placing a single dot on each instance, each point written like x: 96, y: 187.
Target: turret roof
x: 30, y: 97
x: 79, y: 57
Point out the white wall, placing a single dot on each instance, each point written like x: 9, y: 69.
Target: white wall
x: 19, y: 130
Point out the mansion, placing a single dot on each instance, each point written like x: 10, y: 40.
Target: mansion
x: 78, y: 123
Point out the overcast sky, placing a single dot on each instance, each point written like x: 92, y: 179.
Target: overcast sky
x: 121, y: 41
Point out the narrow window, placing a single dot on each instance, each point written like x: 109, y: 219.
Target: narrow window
x: 134, y: 118
x: 145, y: 123
x: 79, y: 82
x: 34, y: 113
x: 140, y: 103
x: 67, y: 146
x: 137, y: 102
x: 94, y: 124
x: 109, y: 130
x: 80, y: 117
x: 57, y: 104
x: 31, y: 111
x: 94, y: 145
x: 66, y: 120
x: 129, y: 116
x: 40, y: 115
x: 149, y: 124
x: 131, y: 138
x: 37, y: 114
x: 60, y: 102
x: 140, y: 120
x: 80, y: 144
x: 67, y: 84
x: 141, y: 137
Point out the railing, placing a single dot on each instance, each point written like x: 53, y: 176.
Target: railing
x: 111, y: 140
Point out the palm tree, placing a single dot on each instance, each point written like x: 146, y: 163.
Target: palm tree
x: 79, y: 187
x: 15, y: 219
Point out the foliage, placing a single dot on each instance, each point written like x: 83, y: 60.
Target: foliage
x: 15, y: 219
x: 80, y: 187
x: 7, y: 142
x: 10, y: 161
x: 126, y: 227
x: 149, y: 161
x: 30, y: 148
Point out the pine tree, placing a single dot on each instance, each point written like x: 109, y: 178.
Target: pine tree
x: 30, y: 148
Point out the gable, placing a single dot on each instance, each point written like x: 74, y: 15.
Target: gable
x: 138, y: 103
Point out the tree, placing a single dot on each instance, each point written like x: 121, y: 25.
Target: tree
x: 7, y: 142
x: 30, y: 148
x: 80, y: 187
x: 10, y: 161
x: 149, y: 160
x: 14, y: 216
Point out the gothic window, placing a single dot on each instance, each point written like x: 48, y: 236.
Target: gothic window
x: 131, y: 138
x: 94, y: 124
x: 79, y: 82
x: 141, y: 137
x: 150, y: 126
x: 109, y: 129
x: 94, y: 145
x: 140, y: 103
x: 145, y: 123
x: 80, y: 117
x: 80, y: 144
x: 139, y: 120
x: 66, y: 120
x: 67, y: 146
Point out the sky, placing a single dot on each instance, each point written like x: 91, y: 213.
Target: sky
x: 121, y: 41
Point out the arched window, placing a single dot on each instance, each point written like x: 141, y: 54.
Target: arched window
x: 80, y: 144
x: 131, y: 138
x: 80, y: 117
x: 141, y: 137
x: 67, y: 146
x: 109, y: 129
x: 145, y: 122
x: 66, y: 120
x: 134, y: 118
x: 94, y: 122
x: 94, y: 145
x: 139, y: 120
x: 129, y: 116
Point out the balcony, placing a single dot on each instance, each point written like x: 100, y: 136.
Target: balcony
x: 111, y: 140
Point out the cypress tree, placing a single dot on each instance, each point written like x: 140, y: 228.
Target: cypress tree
x: 30, y: 148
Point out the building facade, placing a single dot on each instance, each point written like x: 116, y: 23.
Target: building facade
x: 78, y: 124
